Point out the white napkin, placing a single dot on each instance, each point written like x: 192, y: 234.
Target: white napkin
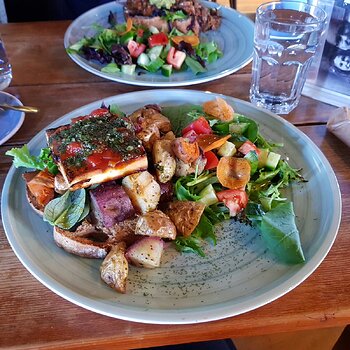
x: 339, y: 124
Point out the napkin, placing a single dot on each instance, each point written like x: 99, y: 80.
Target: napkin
x: 339, y: 124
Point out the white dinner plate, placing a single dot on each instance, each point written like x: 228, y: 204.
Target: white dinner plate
x: 236, y: 276
x: 234, y: 37
x: 10, y: 121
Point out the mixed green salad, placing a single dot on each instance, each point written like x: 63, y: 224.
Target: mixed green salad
x: 243, y: 177
x: 125, y: 47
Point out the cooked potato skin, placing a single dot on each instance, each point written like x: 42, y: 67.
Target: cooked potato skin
x: 185, y: 215
x: 115, y: 268
x: 156, y: 224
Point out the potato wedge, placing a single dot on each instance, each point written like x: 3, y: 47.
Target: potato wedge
x: 143, y: 190
x: 164, y: 160
x: 185, y: 215
x: 155, y: 224
x: 114, y: 268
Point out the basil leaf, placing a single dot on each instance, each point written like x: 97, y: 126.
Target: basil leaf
x: 281, y: 234
x: 181, y: 116
x: 67, y: 210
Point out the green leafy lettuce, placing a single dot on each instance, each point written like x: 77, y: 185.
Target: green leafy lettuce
x: 23, y: 158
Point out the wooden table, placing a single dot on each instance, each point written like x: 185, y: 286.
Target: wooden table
x: 31, y: 316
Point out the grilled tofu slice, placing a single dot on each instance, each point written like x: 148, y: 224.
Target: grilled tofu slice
x: 96, y: 149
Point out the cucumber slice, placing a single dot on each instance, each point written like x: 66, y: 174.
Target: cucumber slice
x: 272, y: 160
x: 154, y: 52
x: 128, y: 69
x: 155, y: 65
x: 228, y: 149
x: 143, y: 60
x: 238, y: 128
x: 252, y: 157
x: 208, y: 195
x: 153, y: 30
x: 167, y: 70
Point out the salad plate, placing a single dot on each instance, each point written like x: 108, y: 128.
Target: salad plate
x: 237, y: 275
x: 234, y: 38
x: 10, y: 121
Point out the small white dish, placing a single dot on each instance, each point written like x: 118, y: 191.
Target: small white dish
x: 10, y: 121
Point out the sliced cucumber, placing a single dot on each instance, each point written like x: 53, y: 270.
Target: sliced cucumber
x: 272, y: 160
x: 208, y: 195
x: 228, y: 149
x: 155, y: 65
x: 128, y: 69
x: 153, y: 30
x: 252, y: 157
x: 154, y: 52
x: 238, y: 128
x: 143, y: 60
x: 167, y: 70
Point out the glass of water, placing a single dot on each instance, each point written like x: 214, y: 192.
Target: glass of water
x: 5, y: 68
x: 286, y: 37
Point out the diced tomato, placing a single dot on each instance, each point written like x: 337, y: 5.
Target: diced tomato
x: 135, y: 48
x: 158, y: 39
x: 200, y: 126
x: 247, y: 147
x: 191, y: 135
x: 235, y: 200
x: 103, y: 160
x: 99, y: 112
x: 212, y: 160
x: 175, y: 57
x: 73, y: 148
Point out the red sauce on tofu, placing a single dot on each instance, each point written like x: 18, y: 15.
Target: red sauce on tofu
x: 95, y: 142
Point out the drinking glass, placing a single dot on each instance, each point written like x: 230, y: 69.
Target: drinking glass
x: 286, y: 37
x: 5, y: 68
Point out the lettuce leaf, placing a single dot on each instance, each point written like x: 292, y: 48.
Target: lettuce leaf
x: 23, y: 158
x: 281, y: 234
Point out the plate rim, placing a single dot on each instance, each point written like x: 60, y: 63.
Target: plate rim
x: 75, y: 58
x: 181, y: 316
x: 20, y: 121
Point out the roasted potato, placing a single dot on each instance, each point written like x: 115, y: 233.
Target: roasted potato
x: 185, y: 215
x: 164, y: 160
x: 114, y: 268
x: 143, y: 190
x: 156, y: 224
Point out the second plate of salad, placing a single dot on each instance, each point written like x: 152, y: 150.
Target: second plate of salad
x: 172, y: 50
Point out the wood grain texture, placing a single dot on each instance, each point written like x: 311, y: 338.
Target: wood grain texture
x: 33, y: 317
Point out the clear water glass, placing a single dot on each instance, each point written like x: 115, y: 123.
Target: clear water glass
x: 286, y: 37
x: 5, y: 68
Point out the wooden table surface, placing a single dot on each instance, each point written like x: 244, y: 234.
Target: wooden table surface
x: 31, y: 316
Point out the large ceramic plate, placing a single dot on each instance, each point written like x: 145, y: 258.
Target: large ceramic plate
x: 10, y: 121
x: 235, y: 39
x: 236, y: 276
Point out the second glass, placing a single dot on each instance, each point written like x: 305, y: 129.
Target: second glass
x: 285, y: 41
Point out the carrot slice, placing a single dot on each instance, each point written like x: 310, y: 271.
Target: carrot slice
x: 189, y: 39
x: 233, y: 172
x: 211, y: 141
x: 128, y: 26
